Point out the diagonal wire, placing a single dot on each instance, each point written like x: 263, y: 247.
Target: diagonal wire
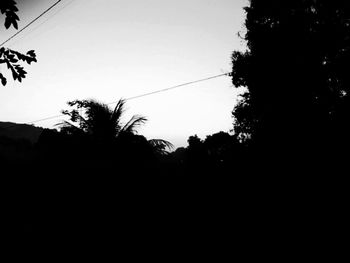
x: 39, y: 25
x: 30, y: 23
x: 171, y: 88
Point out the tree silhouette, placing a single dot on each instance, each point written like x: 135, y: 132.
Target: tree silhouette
x: 213, y: 156
x: 196, y: 151
x: 105, y: 126
x: 100, y: 122
x: 8, y: 56
x: 220, y: 146
x: 295, y: 73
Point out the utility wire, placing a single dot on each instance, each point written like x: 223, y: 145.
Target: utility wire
x: 174, y: 87
x: 29, y: 24
x: 137, y: 96
x: 39, y: 25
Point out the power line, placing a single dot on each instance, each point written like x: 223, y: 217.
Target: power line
x: 30, y: 23
x: 39, y: 25
x: 174, y: 87
x: 137, y: 96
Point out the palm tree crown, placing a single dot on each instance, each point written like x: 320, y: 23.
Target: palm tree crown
x: 98, y: 121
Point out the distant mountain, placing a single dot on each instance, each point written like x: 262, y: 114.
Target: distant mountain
x: 20, y: 131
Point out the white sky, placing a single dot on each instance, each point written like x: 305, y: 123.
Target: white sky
x: 111, y: 49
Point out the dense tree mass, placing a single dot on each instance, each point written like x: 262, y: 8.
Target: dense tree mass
x: 295, y: 72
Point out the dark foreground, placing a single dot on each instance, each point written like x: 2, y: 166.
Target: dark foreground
x: 47, y: 206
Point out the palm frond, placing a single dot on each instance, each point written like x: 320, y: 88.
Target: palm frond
x: 98, y: 117
x: 119, y: 109
x: 161, y: 146
x: 117, y: 114
x: 133, y: 124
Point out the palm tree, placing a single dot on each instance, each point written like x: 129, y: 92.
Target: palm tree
x: 98, y: 121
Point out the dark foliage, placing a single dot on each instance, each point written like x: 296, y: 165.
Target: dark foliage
x: 8, y: 56
x: 214, y: 156
x: 294, y: 117
x: 79, y: 185
x: 9, y: 8
x: 295, y: 70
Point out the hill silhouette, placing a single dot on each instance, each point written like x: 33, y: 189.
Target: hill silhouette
x: 20, y: 131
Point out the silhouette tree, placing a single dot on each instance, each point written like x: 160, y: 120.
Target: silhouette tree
x: 220, y: 146
x: 101, y: 122
x: 294, y: 70
x: 8, y: 56
x: 105, y: 126
x: 196, y: 149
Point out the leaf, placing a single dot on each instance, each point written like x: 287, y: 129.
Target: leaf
x: 12, y: 59
x: 14, y: 23
x: 14, y: 8
x: 31, y: 53
x: 15, y: 17
x: 3, y: 80
x: 7, y: 22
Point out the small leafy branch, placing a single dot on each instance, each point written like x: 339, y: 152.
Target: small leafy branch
x: 12, y: 58
x: 8, y: 56
x: 8, y: 7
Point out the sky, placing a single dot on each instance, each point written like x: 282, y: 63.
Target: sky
x: 111, y: 49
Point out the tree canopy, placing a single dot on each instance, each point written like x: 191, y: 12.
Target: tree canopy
x: 98, y: 120
x: 295, y: 72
